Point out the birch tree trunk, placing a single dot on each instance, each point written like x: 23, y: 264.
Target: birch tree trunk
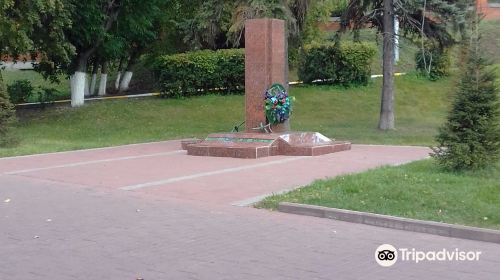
x: 87, y: 85
x: 127, y: 76
x: 104, y: 79
x: 125, y: 82
x: 119, y: 74
x: 93, y: 83
x: 78, y: 81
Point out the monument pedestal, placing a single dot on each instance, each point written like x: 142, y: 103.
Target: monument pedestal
x: 257, y: 145
x: 266, y: 63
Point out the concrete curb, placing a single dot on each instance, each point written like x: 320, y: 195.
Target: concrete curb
x: 110, y: 97
x: 436, y: 228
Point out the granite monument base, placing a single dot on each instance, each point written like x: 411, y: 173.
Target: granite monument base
x: 257, y: 145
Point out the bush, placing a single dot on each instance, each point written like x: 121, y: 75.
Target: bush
x: 439, y: 60
x: 20, y: 91
x: 470, y: 138
x: 6, y: 114
x: 201, y: 72
x: 344, y: 64
x: 46, y: 96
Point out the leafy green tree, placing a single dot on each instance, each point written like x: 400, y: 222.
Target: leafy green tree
x: 31, y: 26
x: 470, y: 138
x: 139, y: 29
x: 319, y: 11
x: 95, y: 20
x: 219, y: 24
x: 108, y: 30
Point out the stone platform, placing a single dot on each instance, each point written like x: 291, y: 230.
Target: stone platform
x: 257, y: 145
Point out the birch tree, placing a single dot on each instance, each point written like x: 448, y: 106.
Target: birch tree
x: 95, y: 19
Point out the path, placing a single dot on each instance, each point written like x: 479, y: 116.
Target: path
x: 150, y: 211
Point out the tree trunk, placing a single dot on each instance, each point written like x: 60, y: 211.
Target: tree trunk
x: 127, y: 76
x: 125, y: 83
x: 119, y: 74
x: 104, y: 79
x: 87, y: 85
x: 78, y: 83
x: 95, y: 69
x: 78, y: 78
x: 386, y: 121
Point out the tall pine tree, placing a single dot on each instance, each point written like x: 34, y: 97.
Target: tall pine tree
x: 470, y: 138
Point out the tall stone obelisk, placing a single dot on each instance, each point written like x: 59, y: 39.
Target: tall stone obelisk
x: 266, y: 63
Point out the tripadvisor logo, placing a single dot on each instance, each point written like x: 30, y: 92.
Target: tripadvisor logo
x: 387, y: 255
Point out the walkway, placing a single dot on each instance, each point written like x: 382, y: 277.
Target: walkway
x: 150, y: 211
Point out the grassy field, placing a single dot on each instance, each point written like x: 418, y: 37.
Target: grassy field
x: 37, y: 80
x: 344, y: 114
x: 417, y: 190
x: 491, y: 39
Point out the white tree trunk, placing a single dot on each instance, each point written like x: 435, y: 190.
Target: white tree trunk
x: 118, y: 80
x: 93, y: 84
x: 396, y: 39
x: 78, y: 89
x: 125, y: 82
x: 102, y: 84
x: 87, y: 86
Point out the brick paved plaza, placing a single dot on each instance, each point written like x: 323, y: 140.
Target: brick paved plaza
x: 150, y: 211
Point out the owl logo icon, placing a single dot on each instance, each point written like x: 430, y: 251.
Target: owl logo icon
x: 386, y: 255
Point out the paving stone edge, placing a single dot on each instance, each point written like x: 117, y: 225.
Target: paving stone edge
x: 429, y: 227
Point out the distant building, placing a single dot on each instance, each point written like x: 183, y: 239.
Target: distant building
x: 333, y: 24
x: 489, y: 8
x: 23, y: 62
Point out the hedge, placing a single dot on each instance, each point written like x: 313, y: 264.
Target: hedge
x: 6, y: 114
x: 200, y: 72
x: 345, y: 64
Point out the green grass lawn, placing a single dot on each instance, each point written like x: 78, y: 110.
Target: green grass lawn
x: 417, y: 190
x: 344, y: 114
x: 37, y: 80
x: 407, y: 51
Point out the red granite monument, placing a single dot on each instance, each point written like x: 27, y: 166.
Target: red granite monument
x: 266, y: 63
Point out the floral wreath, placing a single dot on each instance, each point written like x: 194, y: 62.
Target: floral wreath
x: 277, y: 104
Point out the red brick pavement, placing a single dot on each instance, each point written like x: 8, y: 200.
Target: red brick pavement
x: 150, y: 211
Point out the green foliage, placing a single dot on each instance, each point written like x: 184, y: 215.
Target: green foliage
x: 435, y: 64
x: 188, y: 73
x: 20, y: 91
x: 470, y: 138
x: 6, y: 114
x: 339, y: 8
x: 440, y: 19
x: 220, y: 23
x: 318, y: 12
x: 36, y: 26
x: 343, y: 64
x: 46, y: 96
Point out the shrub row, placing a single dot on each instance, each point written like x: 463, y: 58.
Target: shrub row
x: 198, y: 72
x: 343, y: 64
